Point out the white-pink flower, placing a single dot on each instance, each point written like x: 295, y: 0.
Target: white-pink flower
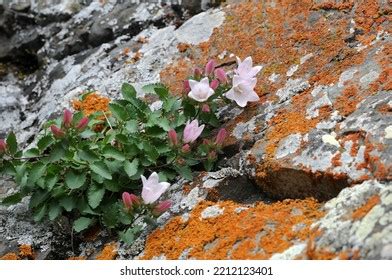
x: 200, y: 91
x: 242, y: 91
x: 152, y: 188
x: 245, y: 68
x: 192, y: 131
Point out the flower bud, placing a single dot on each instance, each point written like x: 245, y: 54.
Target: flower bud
x: 206, y: 142
x: 210, y: 66
x: 214, y: 84
x: 197, y: 73
x: 67, y: 118
x: 221, y: 75
x: 172, y: 134
x: 127, y: 200
x: 135, y: 200
x: 162, y: 207
x: 3, y: 146
x: 186, y: 148
x: 212, y: 155
x: 186, y: 86
x: 82, y: 124
x: 220, y: 137
x: 205, y: 108
x: 57, y: 132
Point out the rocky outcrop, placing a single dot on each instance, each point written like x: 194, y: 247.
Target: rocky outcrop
x: 307, y: 170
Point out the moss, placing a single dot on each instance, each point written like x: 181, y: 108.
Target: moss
x: 255, y: 233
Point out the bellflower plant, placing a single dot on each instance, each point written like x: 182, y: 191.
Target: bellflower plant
x: 97, y: 176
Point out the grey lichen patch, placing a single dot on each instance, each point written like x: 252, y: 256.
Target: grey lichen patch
x: 291, y: 253
x: 289, y: 145
x: 368, y: 222
x: 212, y: 212
x: 291, y: 88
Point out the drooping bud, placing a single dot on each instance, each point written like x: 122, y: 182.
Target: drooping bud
x: 221, y: 75
x: 210, y: 66
x: 3, y: 146
x: 67, y: 118
x: 135, y: 200
x: 82, y: 124
x: 172, y: 135
x: 197, y: 73
x: 57, y: 132
x: 205, y: 108
x: 214, y: 84
x: 162, y: 207
x: 127, y: 200
x: 220, y: 137
x: 186, y: 86
x: 186, y: 148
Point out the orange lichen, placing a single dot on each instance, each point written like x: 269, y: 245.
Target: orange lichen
x: 336, y: 159
x: 109, y: 252
x: 332, y: 5
x: 182, y: 47
x: 92, y: 103
x: 26, y: 251
x: 10, y: 257
x: 363, y: 210
x: 255, y: 233
x: 347, y: 102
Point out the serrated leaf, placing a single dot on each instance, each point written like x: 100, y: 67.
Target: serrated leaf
x: 68, y: 203
x: 57, y: 153
x: 129, y: 235
x: 40, y: 213
x: 74, y: 180
x: 119, y: 111
x: 95, y: 195
x: 131, y: 167
x: 101, y: 169
x: 34, y: 152
x: 132, y: 126
x: 37, y: 170
x: 12, y: 199
x: 54, y: 211
x: 110, y: 216
x: 112, y: 185
x: 88, y: 155
x: 82, y: 223
x: 150, y: 88
x: 12, y: 143
x: 45, y: 142
x: 162, y: 92
x: 165, y: 124
x: 185, y: 172
x: 111, y: 152
x: 128, y: 91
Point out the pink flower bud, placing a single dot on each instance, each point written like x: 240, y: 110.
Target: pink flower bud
x: 205, y: 108
x: 210, y: 66
x: 214, y: 84
x: 186, y: 86
x: 220, y: 74
x: 127, y: 200
x: 67, y: 118
x: 135, y: 200
x: 197, y: 73
x: 57, y: 132
x: 206, y: 142
x: 212, y: 155
x: 172, y: 134
x: 82, y: 124
x: 220, y: 137
x: 162, y: 207
x: 3, y: 146
x: 186, y: 148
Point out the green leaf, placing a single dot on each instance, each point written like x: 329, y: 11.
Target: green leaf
x: 101, y: 169
x: 128, y: 91
x: 12, y: 143
x: 82, y: 223
x: 57, y: 153
x: 88, y: 155
x: 45, y: 142
x: 132, y: 126
x: 111, y: 152
x: 110, y: 216
x: 34, y: 152
x: 165, y: 124
x: 12, y: 199
x: 112, y: 185
x: 68, y: 203
x: 37, y: 171
x: 38, y: 198
x: 129, y: 235
x: 162, y: 92
x: 54, y: 211
x: 185, y: 172
x: 74, y: 180
x: 119, y: 111
x: 40, y: 213
x: 95, y: 195
x: 150, y: 88
x: 51, y: 181
x: 131, y: 167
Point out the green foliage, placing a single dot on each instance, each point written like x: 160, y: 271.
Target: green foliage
x: 82, y: 174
